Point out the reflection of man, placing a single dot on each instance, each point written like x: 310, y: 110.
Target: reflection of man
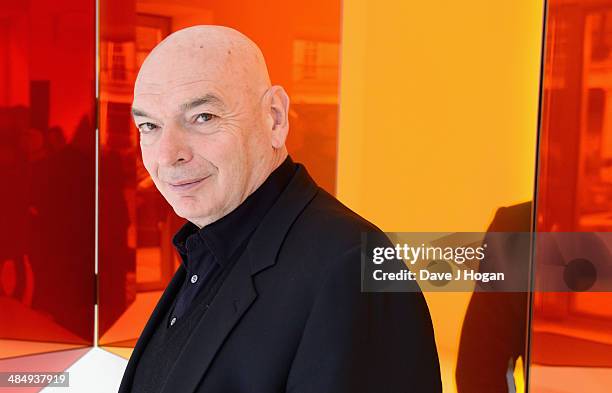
x: 493, y: 334
x: 267, y: 298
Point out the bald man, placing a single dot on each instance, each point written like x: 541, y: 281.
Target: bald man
x: 267, y: 297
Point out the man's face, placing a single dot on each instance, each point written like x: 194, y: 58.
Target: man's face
x: 198, y: 134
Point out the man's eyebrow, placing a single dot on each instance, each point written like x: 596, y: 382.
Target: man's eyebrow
x: 206, y: 99
x: 138, y: 112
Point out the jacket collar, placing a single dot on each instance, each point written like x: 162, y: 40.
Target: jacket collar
x: 269, y: 236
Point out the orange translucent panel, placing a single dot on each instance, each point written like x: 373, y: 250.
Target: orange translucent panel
x: 47, y: 167
x: 300, y: 41
x: 574, y: 330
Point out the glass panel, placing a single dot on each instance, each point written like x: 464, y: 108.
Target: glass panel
x: 47, y: 167
x: 572, y: 332
x: 438, y: 132
x: 301, y: 46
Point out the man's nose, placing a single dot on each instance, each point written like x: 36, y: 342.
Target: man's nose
x: 173, y: 147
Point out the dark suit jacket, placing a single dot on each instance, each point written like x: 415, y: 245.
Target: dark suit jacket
x: 290, y: 316
x: 494, y: 330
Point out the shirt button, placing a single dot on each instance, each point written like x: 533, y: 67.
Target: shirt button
x: 172, y: 321
x: 194, y: 278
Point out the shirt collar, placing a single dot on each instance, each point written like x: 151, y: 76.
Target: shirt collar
x: 224, y: 236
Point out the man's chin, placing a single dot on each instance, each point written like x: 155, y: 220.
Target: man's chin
x: 186, y: 211
x: 194, y: 214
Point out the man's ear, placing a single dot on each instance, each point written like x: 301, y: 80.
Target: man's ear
x: 277, y: 111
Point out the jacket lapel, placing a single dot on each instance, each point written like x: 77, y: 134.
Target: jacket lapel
x: 237, y: 292
x: 158, y: 313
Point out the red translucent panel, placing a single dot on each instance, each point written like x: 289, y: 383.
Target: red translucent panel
x: 574, y: 187
x: 300, y: 41
x: 47, y: 167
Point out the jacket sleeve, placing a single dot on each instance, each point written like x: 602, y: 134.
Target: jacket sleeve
x: 364, y: 342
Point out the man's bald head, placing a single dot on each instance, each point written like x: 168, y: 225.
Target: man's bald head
x: 212, y: 128
x: 212, y: 52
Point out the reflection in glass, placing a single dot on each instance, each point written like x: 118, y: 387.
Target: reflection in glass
x: 47, y: 167
x: 574, y: 330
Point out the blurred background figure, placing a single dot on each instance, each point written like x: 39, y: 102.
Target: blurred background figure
x: 13, y: 210
x: 62, y: 212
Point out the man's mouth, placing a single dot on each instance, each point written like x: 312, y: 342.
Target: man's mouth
x: 188, y: 184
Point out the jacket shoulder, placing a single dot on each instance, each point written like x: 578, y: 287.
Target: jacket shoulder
x: 330, y: 226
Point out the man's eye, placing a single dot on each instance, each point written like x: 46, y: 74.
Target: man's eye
x: 146, y: 127
x: 204, y: 117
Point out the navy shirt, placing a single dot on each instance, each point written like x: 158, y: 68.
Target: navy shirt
x: 207, y: 255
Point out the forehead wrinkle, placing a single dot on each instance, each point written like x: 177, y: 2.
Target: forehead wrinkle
x: 205, y: 99
x: 189, y: 104
x: 160, y: 88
